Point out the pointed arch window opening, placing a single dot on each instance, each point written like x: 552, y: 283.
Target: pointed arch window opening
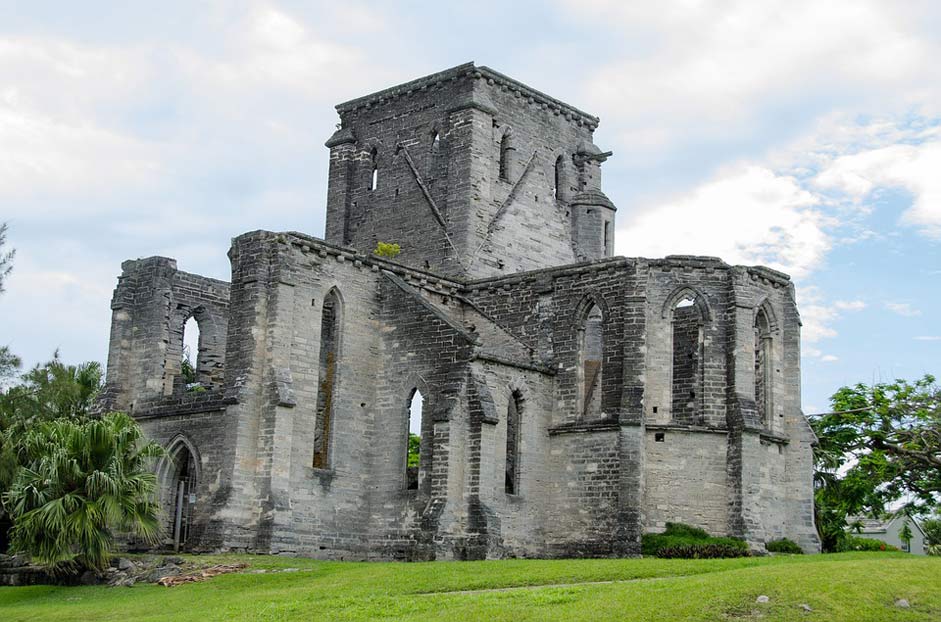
x: 180, y: 490
x: 591, y: 364
x: 330, y: 321
x: 374, y: 174
x: 687, y: 367
x: 415, y: 460
x: 764, y: 378
x: 506, y: 153
x: 558, y: 186
x: 190, y: 353
x: 514, y: 413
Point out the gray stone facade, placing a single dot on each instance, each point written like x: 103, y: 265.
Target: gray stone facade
x: 572, y: 400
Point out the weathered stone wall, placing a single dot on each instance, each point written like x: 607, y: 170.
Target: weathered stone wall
x: 686, y: 479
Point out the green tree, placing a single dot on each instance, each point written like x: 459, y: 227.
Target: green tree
x: 905, y: 535
x: 6, y: 257
x: 932, y: 529
x: 414, y: 449
x: 880, y: 445
x: 79, y: 483
x: 9, y: 364
x: 48, y: 392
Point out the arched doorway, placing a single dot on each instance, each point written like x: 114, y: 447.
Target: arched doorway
x: 180, y: 482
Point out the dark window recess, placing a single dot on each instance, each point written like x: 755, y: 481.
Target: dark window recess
x: 659, y: 436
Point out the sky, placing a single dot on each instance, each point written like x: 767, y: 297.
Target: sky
x: 801, y: 135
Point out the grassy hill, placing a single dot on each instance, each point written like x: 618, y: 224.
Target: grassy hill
x: 852, y: 587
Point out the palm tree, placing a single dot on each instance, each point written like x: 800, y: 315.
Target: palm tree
x: 80, y: 483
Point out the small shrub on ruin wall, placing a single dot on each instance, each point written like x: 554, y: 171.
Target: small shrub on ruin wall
x: 387, y: 250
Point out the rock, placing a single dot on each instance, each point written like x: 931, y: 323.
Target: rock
x: 172, y: 560
x: 291, y: 570
x: 805, y: 607
x: 762, y: 599
x: 89, y: 577
x: 125, y: 564
x: 902, y: 603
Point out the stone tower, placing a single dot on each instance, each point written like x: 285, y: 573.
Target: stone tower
x: 472, y: 173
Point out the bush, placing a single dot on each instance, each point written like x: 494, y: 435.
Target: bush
x: 934, y: 549
x: 701, y: 551
x: 680, y: 535
x: 856, y: 543
x: 783, y: 546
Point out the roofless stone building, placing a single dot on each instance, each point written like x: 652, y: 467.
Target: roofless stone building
x: 570, y: 400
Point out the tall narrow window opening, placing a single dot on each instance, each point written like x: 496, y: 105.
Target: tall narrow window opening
x: 435, y: 141
x: 687, y: 361
x: 607, y: 238
x: 505, y: 155
x: 559, y: 181
x: 190, y: 360
x: 763, y: 365
x: 512, y: 470
x: 329, y: 351
x: 374, y: 175
x: 413, y: 471
x: 591, y: 364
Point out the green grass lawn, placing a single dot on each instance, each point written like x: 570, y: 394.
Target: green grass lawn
x: 850, y: 586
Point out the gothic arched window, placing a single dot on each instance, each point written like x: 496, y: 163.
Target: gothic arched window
x: 590, y: 364
x: 687, y: 378
x: 514, y: 411
x: 330, y: 323
x: 763, y: 368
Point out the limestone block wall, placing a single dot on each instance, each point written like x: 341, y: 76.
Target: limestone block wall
x: 151, y: 303
x: 686, y: 479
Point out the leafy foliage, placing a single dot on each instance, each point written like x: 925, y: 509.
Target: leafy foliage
x: 9, y: 363
x: 679, y: 535
x: 856, y: 543
x: 881, y: 444
x: 6, y: 257
x: 783, y: 545
x: 79, y: 482
x: 388, y: 250
x: 932, y: 529
x: 709, y: 550
x: 414, y: 449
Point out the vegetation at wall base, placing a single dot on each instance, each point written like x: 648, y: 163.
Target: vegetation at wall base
x: 701, y: 551
x: 685, y: 538
x: 857, y: 543
x: 783, y: 546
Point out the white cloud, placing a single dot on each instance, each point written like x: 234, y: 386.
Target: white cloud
x: 849, y: 305
x: 902, y: 308
x: 914, y: 168
x: 928, y: 338
x: 747, y: 215
x: 819, y: 316
x: 713, y: 67
x: 829, y: 358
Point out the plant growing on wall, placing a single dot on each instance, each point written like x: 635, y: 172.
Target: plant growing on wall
x: 387, y: 250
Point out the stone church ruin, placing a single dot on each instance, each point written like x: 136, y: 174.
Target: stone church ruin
x: 570, y: 400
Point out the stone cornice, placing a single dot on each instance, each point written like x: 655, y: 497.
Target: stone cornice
x: 470, y: 70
